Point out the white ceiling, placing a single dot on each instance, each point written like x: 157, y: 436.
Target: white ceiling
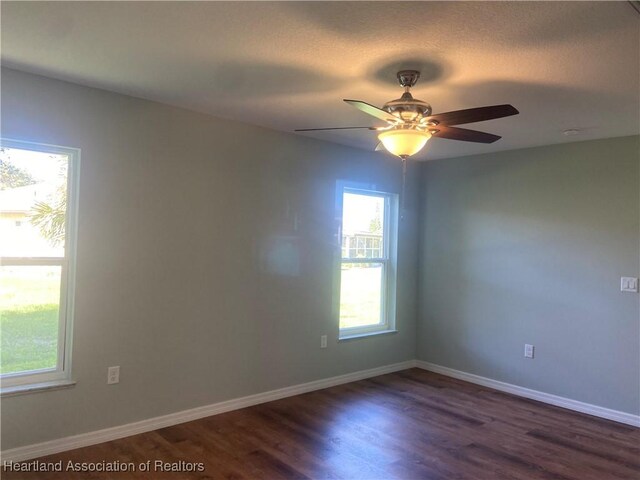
x: 287, y: 65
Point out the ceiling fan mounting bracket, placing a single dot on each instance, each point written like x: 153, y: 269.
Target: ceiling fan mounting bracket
x: 408, y: 78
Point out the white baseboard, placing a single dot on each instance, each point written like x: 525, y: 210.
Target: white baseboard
x: 91, y: 438
x: 556, y: 400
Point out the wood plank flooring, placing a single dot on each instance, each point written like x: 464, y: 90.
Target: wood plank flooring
x: 407, y: 425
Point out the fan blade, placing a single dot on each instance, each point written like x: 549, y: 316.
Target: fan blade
x: 374, y: 111
x: 453, y: 133
x: 472, y: 115
x: 332, y: 128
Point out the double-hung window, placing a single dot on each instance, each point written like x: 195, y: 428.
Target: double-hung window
x: 38, y: 199
x: 367, y: 260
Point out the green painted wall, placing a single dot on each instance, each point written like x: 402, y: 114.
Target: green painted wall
x: 178, y: 211
x: 528, y: 246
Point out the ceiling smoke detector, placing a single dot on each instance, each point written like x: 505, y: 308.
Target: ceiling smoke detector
x: 571, y: 131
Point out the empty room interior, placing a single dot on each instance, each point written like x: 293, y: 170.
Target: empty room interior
x: 320, y: 240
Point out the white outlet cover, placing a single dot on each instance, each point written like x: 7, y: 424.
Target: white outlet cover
x: 528, y: 350
x: 113, y: 375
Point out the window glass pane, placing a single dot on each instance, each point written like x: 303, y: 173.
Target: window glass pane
x: 362, y: 225
x: 29, y: 317
x: 360, y: 294
x: 33, y: 203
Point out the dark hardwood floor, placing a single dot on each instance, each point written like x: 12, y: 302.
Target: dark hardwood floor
x: 406, y: 425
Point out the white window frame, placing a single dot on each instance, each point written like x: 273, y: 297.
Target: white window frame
x: 388, y: 261
x: 19, y: 382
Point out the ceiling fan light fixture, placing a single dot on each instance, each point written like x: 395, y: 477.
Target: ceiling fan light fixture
x: 404, y: 142
x: 410, y: 122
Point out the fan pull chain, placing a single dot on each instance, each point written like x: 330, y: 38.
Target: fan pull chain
x: 403, y: 192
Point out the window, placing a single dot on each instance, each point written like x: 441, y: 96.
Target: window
x: 367, y: 261
x: 38, y: 193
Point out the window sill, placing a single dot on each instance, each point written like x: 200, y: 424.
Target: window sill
x: 36, y: 388
x: 364, y: 335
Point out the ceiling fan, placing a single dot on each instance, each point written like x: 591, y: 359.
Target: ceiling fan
x: 410, y: 123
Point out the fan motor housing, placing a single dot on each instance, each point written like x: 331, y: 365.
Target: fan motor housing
x: 408, y: 108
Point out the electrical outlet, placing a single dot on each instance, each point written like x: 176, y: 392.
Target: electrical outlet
x: 629, y: 284
x: 323, y: 341
x: 528, y: 350
x: 113, y: 375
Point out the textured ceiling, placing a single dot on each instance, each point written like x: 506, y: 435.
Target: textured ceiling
x: 287, y: 65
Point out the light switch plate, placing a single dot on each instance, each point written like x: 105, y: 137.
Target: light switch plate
x: 629, y: 284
